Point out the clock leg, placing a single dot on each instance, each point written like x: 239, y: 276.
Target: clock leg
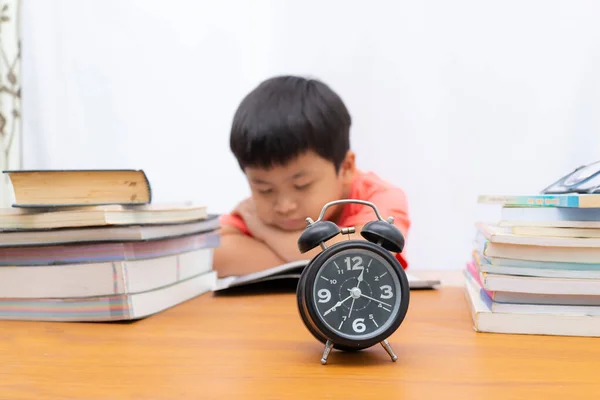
x: 328, y: 347
x: 389, y: 350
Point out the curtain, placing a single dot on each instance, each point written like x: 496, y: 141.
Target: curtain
x: 10, y: 93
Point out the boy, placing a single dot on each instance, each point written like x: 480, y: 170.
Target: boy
x: 290, y: 136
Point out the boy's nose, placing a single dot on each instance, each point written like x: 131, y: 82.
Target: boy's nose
x: 285, y: 206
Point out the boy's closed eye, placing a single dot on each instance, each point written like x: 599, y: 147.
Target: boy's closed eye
x: 303, y: 186
x: 265, y: 190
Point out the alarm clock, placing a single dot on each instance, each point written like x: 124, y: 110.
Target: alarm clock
x: 353, y: 294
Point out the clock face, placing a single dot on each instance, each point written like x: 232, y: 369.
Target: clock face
x: 357, y: 293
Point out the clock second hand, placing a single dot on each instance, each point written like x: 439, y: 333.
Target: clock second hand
x: 360, y: 278
x: 339, y: 303
x: 351, y: 305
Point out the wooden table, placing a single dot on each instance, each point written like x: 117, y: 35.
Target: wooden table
x: 255, y: 346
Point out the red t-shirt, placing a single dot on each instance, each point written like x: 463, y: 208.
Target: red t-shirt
x: 389, y: 200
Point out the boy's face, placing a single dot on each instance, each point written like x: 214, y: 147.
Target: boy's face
x: 286, y: 195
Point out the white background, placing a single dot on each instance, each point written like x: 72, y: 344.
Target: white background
x: 449, y: 99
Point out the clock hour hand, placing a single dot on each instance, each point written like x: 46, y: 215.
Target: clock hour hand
x: 339, y: 303
x: 362, y: 273
x: 360, y: 277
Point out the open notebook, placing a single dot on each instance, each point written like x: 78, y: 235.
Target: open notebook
x: 292, y: 271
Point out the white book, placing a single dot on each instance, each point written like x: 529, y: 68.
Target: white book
x: 497, y: 234
x: 527, y: 296
x: 538, y: 272
x: 506, y: 266
x: 568, y: 252
x: 77, y: 217
x: 529, y: 319
x: 115, y: 233
x: 554, y: 231
x: 540, y: 285
x: 108, y: 308
x: 102, y: 279
x: 551, y: 217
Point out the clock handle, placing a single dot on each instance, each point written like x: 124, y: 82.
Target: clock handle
x: 379, y: 231
x: 345, y: 201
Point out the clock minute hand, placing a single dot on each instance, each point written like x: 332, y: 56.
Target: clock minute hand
x: 339, y: 303
x: 359, y: 279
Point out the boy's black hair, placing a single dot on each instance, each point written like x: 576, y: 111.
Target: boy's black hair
x: 285, y: 116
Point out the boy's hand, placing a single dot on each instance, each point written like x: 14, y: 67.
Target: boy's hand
x: 247, y: 211
x: 283, y: 243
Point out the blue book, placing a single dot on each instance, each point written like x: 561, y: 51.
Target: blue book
x: 544, y: 200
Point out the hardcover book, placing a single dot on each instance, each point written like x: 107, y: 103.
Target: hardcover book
x: 67, y: 188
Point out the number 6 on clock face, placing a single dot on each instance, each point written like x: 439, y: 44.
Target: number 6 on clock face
x: 358, y: 325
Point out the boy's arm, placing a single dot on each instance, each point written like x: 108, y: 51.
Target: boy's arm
x: 239, y: 254
x: 391, y: 202
x: 285, y: 244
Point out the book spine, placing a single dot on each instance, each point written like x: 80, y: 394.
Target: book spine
x: 148, y: 186
x: 567, y: 201
x: 119, y: 278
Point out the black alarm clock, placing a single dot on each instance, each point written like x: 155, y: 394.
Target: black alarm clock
x: 353, y: 294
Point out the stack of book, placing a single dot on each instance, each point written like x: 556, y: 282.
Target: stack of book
x: 91, y: 246
x: 537, y: 269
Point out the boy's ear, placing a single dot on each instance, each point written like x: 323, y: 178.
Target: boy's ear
x: 348, y: 167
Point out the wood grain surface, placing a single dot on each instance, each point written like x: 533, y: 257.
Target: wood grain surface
x: 255, y: 346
